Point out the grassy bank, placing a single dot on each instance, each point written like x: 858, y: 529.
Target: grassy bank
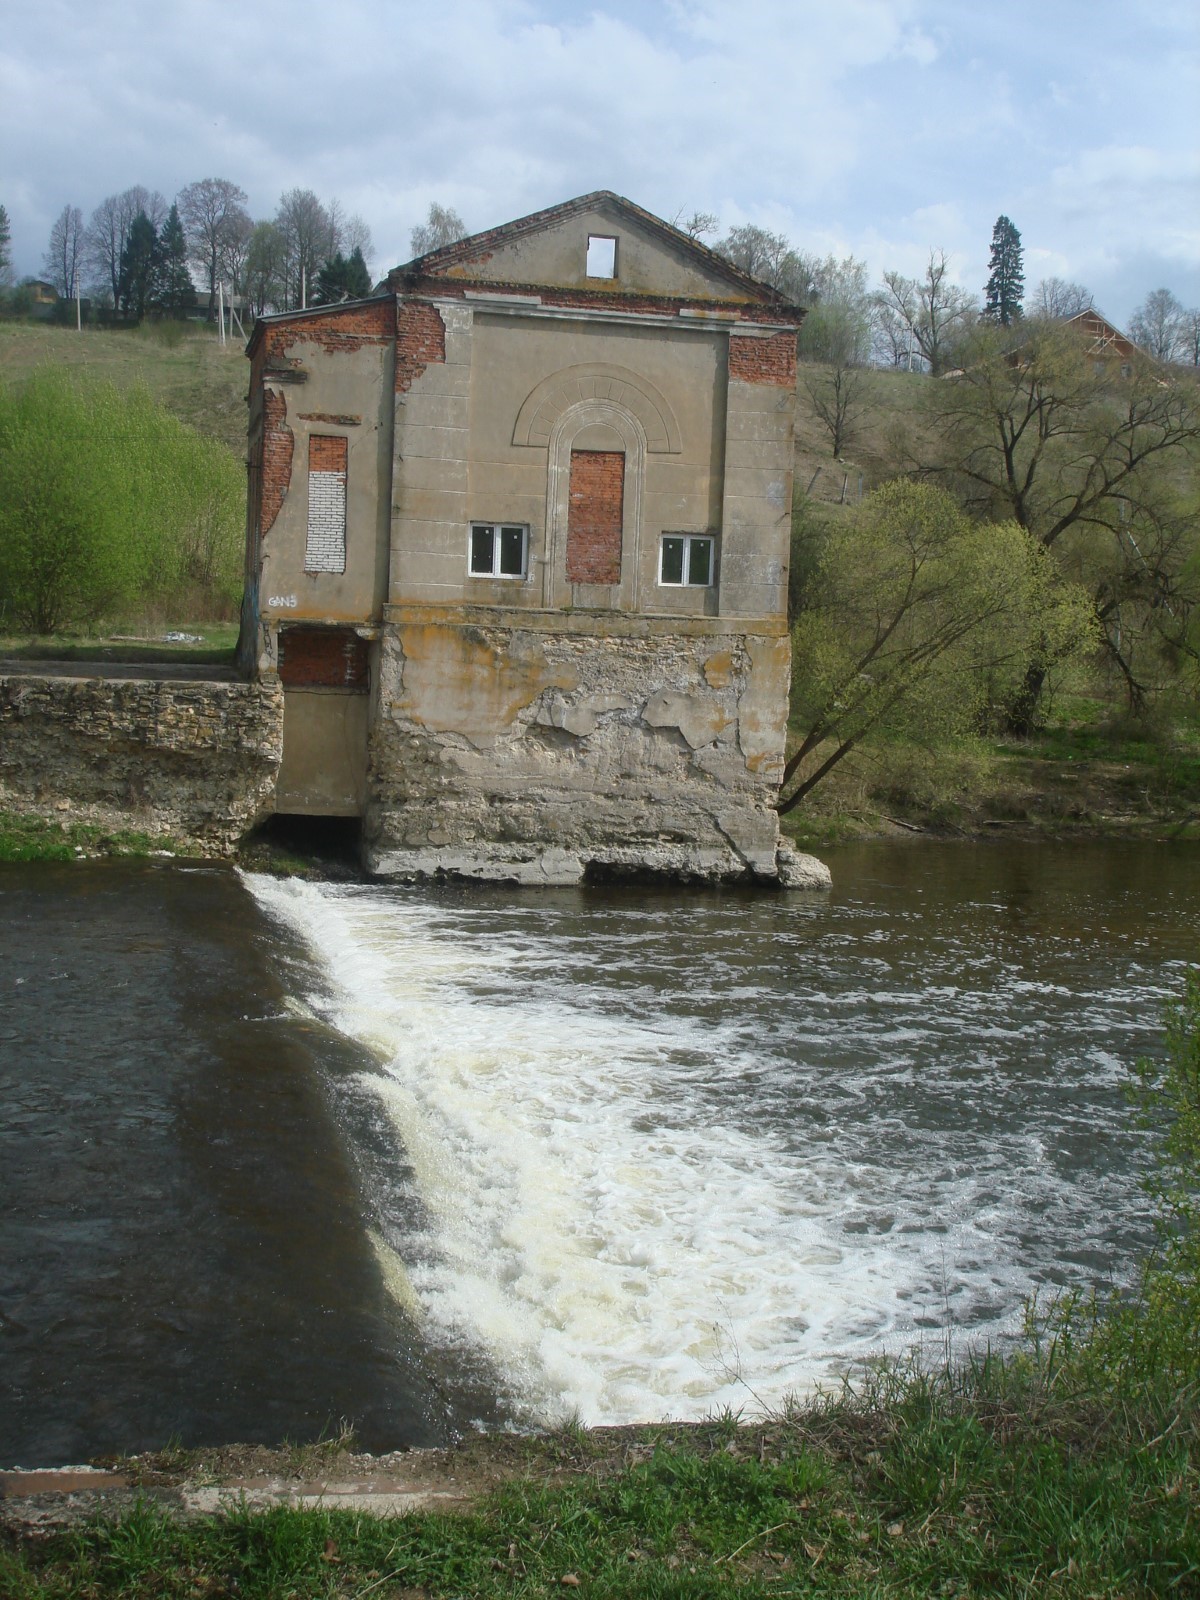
x: 26, y: 838
x: 995, y: 1480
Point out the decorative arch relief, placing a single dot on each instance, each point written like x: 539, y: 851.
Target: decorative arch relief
x: 548, y: 403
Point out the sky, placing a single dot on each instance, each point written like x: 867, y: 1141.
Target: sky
x: 882, y: 129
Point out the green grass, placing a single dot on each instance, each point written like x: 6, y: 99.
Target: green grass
x: 136, y: 641
x: 25, y: 838
x: 188, y: 370
x: 987, y: 1482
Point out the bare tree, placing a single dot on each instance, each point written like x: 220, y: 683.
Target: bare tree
x: 443, y: 226
x: 356, y: 235
x: 212, y: 209
x: 265, y: 270
x: 108, y: 233
x: 64, y: 253
x: 1055, y: 297
x: 770, y: 258
x: 1158, y: 325
x: 935, y: 312
x: 1191, y: 336
x: 697, y: 224
x: 309, y: 237
x: 235, y: 247
x: 5, y: 249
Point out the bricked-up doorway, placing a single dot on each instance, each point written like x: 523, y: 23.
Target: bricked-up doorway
x: 595, y: 516
x: 326, y: 680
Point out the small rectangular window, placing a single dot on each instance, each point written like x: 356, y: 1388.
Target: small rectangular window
x: 686, y: 560
x: 498, y: 550
x: 601, y: 256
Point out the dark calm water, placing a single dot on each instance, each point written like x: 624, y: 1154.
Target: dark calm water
x: 273, y: 1154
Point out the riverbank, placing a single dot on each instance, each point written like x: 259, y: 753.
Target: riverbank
x: 998, y: 1480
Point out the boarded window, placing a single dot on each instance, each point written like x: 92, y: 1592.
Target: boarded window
x: 322, y: 658
x: 595, y: 515
x: 325, y: 550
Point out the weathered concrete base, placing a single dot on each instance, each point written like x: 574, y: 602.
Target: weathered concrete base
x: 196, y: 760
x: 588, y: 745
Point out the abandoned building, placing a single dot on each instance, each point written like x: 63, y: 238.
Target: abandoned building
x: 517, y: 551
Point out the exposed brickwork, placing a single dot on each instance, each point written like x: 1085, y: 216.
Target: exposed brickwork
x: 322, y: 658
x: 770, y: 360
x: 420, y: 341
x: 594, y: 517
x: 326, y: 453
x: 278, y: 443
x: 368, y: 322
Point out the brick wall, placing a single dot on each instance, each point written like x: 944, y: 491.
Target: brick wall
x: 594, y: 517
x: 325, y: 546
x: 420, y: 341
x: 277, y: 445
x: 322, y: 658
x: 770, y: 360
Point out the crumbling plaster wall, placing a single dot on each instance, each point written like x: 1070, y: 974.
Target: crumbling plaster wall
x: 532, y: 748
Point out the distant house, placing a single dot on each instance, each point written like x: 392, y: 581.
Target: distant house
x: 43, y: 297
x: 1105, y: 343
x: 517, y: 549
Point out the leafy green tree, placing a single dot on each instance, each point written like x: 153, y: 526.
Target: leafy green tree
x: 342, y: 279
x: 1099, y: 468
x: 1006, y: 281
x: 265, y: 268
x: 171, y: 288
x: 908, y: 613
x: 107, y: 500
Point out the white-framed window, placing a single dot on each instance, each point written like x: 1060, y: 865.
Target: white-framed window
x: 686, y: 560
x: 498, y: 550
x: 601, y: 256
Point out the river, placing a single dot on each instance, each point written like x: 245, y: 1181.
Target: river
x: 277, y: 1153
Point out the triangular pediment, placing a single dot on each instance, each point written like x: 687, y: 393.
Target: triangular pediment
x: 566, y: 248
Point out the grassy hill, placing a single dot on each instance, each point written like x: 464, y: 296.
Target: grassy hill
x: 184, y: 366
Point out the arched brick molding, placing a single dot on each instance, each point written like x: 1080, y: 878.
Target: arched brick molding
x: 629, y: 391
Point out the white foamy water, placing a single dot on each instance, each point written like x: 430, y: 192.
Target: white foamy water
x: 674, y: 1158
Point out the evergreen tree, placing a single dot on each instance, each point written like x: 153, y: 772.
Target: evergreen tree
x: 139, y: 260
x: 171, y: 289
x: 1006, y: 285
x: 342, y: 279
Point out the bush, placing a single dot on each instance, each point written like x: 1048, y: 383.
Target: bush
x: 106, y: 501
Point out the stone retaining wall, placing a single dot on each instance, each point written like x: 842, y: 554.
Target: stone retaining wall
x: 194, y: 759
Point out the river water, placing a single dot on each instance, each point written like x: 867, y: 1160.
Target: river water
x: 277, y: 1153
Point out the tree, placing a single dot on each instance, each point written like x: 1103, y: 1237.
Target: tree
x: 342, y: 279
x: 356, y: 235
x: 932, y: 313
x: 1054, y: 297
x: 5, y: 249
x: 139, y: 264
x: 770, y: 258
x: 213, y: 211
x: 1096, y: 468
x: 309, y: 237
x: 171, y: 289
x: 264, y: 275
x: 64, y: 253
x: 108, y: 234
x: 443, y: 226
x: 907, y: 612
x: 1006, y: 280
x: 1158, y: 325
x: 696, y: 224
